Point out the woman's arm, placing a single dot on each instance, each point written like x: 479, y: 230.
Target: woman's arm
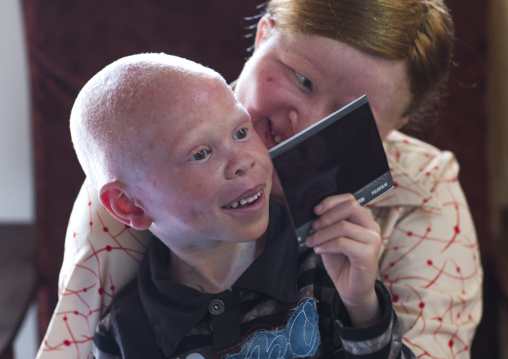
x: 430, y: 258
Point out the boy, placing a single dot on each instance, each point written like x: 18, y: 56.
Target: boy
x: 171, y: 150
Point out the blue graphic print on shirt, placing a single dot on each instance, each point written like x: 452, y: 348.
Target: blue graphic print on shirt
x: 299, y: 339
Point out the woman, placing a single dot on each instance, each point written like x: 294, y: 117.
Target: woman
x: 312, y: 57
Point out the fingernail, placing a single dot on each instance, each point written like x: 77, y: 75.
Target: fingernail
x: 309, y: 241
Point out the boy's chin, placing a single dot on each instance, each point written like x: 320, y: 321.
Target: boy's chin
x: 260, y: 230
x: 259, y: 237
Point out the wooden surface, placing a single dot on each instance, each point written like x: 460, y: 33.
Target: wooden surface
x: 18, y: 281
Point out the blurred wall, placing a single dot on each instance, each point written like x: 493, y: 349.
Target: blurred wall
x: 16, y: 173
x: 498, y: 149
x: 498, y: 107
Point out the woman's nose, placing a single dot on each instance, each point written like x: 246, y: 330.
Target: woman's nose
x: 303, y: 118
x: 294, y: 121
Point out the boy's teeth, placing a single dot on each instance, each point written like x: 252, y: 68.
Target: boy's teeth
x: 245, y: 200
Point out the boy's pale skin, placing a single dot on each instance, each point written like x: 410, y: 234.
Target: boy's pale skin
x: 182, y: 154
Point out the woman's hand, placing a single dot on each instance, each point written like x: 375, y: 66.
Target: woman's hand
x: 349, y: 240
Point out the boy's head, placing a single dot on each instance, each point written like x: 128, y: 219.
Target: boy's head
x: 170, y: 148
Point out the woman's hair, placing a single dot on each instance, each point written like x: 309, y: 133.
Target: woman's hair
x: 420, y: 32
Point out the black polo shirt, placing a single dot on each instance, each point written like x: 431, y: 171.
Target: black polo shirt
x: 155, y: 317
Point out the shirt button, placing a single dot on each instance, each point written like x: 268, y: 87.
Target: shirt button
x: 216, y: 307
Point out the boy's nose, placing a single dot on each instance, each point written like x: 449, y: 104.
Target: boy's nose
x: 240, y: 164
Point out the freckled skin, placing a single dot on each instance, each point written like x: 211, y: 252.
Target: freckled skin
x: 186, y: 201
x: 270, y: 86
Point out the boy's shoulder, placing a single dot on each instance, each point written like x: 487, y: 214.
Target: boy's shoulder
x: 126, y: 308
x: 126, y: 324
x: 127, y: 297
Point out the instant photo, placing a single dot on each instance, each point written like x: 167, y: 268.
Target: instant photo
x: 343, y: 153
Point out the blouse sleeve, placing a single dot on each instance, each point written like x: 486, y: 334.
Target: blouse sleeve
x: 101, y: 256
x: 431, y: 262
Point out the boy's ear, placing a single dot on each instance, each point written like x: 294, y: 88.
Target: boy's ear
x: 265, y: 26
x: 123, y: 207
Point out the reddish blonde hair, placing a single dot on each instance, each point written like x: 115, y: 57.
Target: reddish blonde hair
x: 420, y: 32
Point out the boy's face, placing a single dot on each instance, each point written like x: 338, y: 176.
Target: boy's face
x: 201, y: 161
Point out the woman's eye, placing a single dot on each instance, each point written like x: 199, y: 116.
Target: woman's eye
x: 304, y: 81
x: 240, y: 134
x: 200, y: 155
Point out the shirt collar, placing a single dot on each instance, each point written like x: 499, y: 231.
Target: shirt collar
x: 174, y: 309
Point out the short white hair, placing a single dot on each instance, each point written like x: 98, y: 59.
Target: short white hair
x: 100, y: 122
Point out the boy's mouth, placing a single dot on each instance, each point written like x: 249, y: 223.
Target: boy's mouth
x: 245, y: 202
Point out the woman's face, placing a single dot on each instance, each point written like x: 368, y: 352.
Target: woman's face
x: 294, y: 80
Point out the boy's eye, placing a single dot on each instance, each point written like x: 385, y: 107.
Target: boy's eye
x: 240, y: 134
x: 200, y: 155
x: 304, y: 81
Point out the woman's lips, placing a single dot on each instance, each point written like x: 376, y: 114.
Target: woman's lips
x: 270, y: 136
x: 275, y: 137
x: 275, y: 134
